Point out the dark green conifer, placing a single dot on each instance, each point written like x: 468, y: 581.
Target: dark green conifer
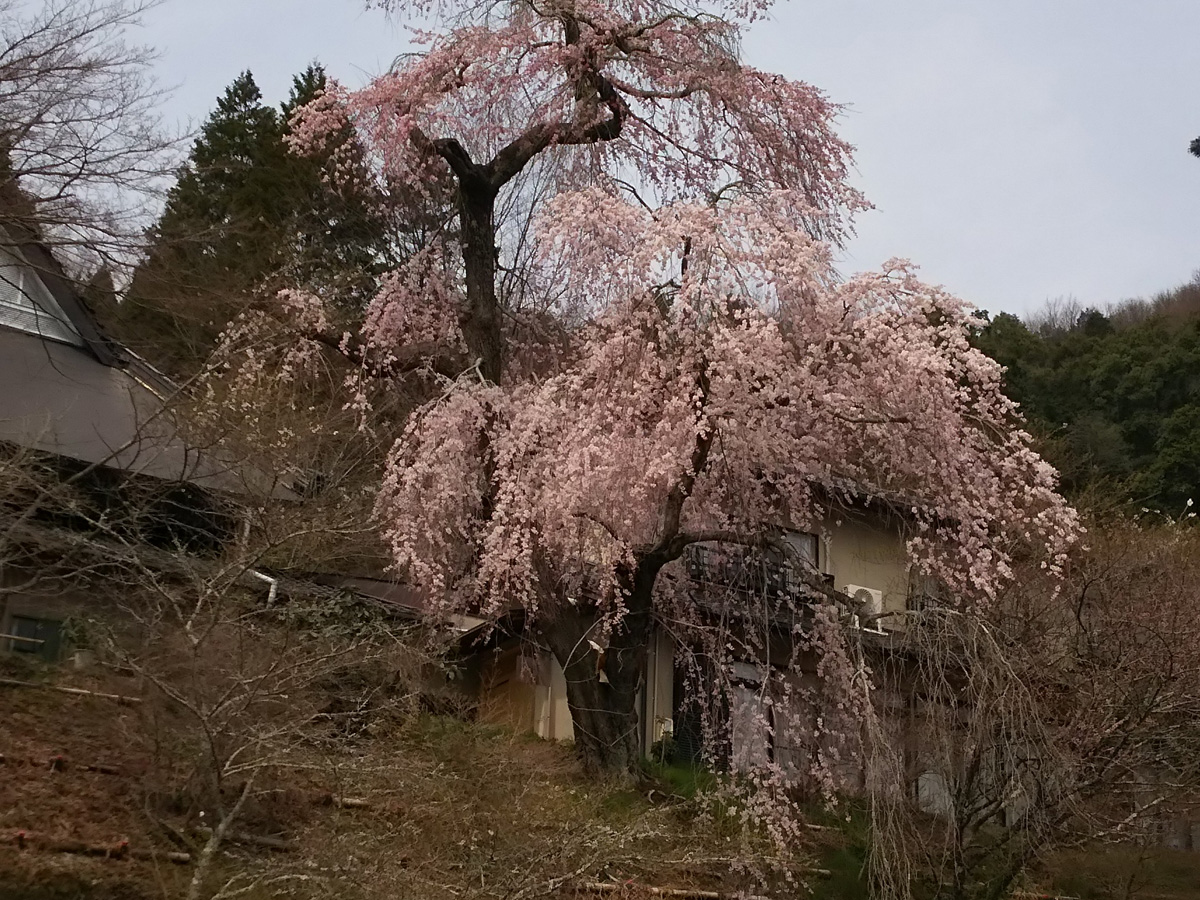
x: 245, y: 218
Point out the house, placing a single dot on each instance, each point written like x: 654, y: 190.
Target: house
x: 90, y: 412
x: 86, y: 431
x: 859, y: 552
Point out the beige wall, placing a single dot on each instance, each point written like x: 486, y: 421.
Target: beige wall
x: 505, y: 698
x: 528, y: 694
x: 554, y: 719
x: 660, y: 686
x: 533, y: 698
x: 868, y: 550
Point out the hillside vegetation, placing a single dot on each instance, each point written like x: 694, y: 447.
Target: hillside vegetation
x: 1113, y: 396
x: 441, y: 808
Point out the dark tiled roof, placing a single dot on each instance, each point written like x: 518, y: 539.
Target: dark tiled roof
x: 389, y: 593
x: 404, y: 599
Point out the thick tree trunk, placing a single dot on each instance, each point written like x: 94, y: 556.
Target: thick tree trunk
x: 603, y: 690
x: 481, y: 325
x: 604, y: 716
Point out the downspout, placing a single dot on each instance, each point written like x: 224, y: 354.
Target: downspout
x: 273, y: 592
x: 652, y: 715
x: 645, y: 710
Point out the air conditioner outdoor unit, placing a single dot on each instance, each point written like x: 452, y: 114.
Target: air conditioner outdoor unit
x: 868, y: 604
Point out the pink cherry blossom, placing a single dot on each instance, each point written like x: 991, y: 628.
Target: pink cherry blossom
x: 672, y: 358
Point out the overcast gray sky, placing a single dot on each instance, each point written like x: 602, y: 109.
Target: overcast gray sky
x: 1018, y: 150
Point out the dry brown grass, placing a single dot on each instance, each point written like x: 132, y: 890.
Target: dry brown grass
x: 468, y: 811
x: 65, y: 801
x: 456, y: 810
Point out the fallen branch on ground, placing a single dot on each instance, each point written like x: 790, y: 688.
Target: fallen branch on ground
x: 271, y: 843
x: 343, y: 802
x: 600, y: 887
x: 58, y: 763
x: 80, y: 692
x: 117, y: 850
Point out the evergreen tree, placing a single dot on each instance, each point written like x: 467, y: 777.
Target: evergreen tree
x: 215, y: 238
x: 342, y: 238
x: 222, y: 212
x: 244, y: 218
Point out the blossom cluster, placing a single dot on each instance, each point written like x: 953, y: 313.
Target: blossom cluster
x: 799, y: 380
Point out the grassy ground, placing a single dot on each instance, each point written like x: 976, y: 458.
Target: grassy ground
x: 1125, y: 873
x: 454, y: 810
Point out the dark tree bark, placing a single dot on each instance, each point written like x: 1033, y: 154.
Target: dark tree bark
x: 604, y: 710
x: 479, y: 185
x: 480, y: 321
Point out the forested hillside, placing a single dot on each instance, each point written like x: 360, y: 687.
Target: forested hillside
x: 1114, y: 398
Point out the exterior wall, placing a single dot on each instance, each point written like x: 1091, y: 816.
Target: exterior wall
x: 659, y: 705
x: 504, y: 697
x: 868, y: 550
x: 52, y: 609
x: 531, y: 696
x: 527, y: 693
x: 554, y: 719
x: 803, y: 739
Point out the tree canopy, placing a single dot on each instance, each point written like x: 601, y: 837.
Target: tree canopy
x: 81, y: 147
x: 245, y: 217
x: 678, y: 362
x: 1114, y: 399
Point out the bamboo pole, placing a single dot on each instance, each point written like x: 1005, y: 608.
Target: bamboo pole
x: 597, y: 887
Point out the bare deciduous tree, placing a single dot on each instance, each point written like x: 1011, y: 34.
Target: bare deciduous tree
x: 199, y: 589
x: 81, y: 134
x: 1048, y: 719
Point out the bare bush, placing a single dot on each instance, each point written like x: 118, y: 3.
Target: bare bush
x: 1046, y: 719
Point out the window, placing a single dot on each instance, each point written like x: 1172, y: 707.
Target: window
x: 23, y: 635
x: 768, y: 571
x: 805, y: 545
x: 26, y: 303
x: 34, y: 636
x: 934, y: 795
x: 926, y: 591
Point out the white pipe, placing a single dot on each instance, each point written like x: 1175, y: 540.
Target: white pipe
x: 273, y: 582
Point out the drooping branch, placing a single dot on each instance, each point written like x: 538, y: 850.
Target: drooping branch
x: 405, y: 360
x: 759, y: 539
x: 679, y: 493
